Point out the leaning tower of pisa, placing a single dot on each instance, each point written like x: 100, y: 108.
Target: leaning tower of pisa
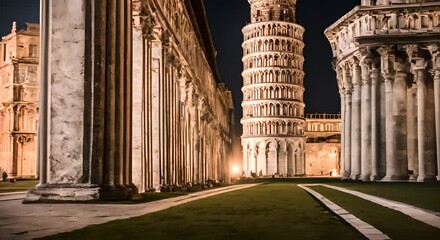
x: 273, y: 106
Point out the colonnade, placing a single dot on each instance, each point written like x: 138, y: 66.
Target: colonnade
x: 391, y: 110
x: 183, y: 112
x: 387, y: 68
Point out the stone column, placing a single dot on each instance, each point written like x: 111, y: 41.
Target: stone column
x: 139, y: 65
x: 366, y: 115
x: 342, y: 170
x: 246, y: 153
x: 375, y: 124
x: 85, y: 105
x: 156, y: 123
x: 348, y: 120
x: 435, y: 53
x: 412, y: 139
x: 356, y: 121
x: 425, y: 127
x: 421, y: 94
x: 400, y: 119
x: 425, y: 151
x: 388, y: 75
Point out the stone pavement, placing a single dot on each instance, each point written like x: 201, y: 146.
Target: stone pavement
x: 423, y: 215
x: 12, y: 196
x: 28, y: 221
x: 369, y: 231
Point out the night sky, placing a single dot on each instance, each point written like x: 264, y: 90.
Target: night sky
x: 227, y: 18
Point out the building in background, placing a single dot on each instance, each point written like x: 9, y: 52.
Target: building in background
x: 273, y: 107
x: 387, y: 59
x: 19, y: 83
x: 323, y: 146
x: 182, y: 111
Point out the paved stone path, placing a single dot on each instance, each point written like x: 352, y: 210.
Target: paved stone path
x: 423, y: 215
x: 12, y: 196
x: 27, y: 221
x: 369, y: 231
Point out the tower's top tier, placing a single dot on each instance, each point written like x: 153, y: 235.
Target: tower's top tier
x: 273, y: 10
x: 391, y: 2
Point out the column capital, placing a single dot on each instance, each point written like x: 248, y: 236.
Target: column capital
x: 366, y: 66
x: 387, y: 62
x: 347, y: 75
x: 434, y: 49
x: 417, y: 57
x: 356, y: 71
x: 144, y: 18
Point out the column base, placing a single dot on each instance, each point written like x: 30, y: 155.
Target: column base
x: 375, y: 178
x: 62, y: 193
x: 438, y: 178
x: 355, y: 177
x: 67, y: 193
x: 395, y: 178
x: 426, y: 179
x: 366, y: 178
x: 115, y: 193
x: 413, y: 178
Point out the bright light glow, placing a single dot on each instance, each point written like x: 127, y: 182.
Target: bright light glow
x: 235, y: 170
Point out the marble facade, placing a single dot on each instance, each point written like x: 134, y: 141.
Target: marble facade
x: 273, y: 107
x: 19, y: 80
x: 387, y: 59
x: 183, y: 112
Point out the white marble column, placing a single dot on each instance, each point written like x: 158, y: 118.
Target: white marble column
x: 400, y: 120
x: 342, y: 170
x: 261, y: 159
x: 390, y: 146
x: 156, y: 123
x: 426, y: 142
x: 85, y: 105
x: 356, y: 121
x: 421, y: 104
x: 140, y: 47
x: 435, y: 53
x: 375, y: 124
x: 348, y: 120
x: 412, y: 139
x: 366, y: 116
x: 245, y: 152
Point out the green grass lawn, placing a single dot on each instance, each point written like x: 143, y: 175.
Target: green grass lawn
x: 395, y: 224
x: 268, y: 211
x: 17, y: 186
x: 423, y: 195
